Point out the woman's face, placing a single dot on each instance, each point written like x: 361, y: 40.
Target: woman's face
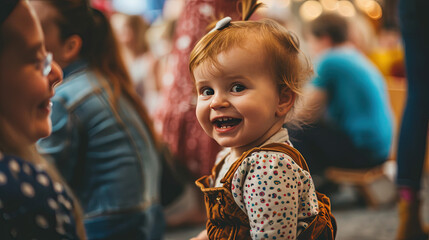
x: 25, y: 91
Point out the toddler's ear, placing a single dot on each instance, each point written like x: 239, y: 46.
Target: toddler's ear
x: 286, y: 101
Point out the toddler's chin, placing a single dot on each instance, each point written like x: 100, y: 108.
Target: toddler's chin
x: 226, y: 144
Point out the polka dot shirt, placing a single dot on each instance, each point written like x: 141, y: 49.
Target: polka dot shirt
x: 32, y: 206
x: 276, y: 194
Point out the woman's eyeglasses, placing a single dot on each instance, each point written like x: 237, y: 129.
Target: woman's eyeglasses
x: 46, y: 64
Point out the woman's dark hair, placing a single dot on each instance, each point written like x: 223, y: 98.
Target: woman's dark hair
x: 1, y: 40
x: 100, y: 49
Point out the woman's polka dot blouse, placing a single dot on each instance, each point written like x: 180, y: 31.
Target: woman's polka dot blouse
x: 32, y: 206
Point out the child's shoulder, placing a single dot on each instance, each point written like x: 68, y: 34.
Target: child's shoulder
x: 272, y: 159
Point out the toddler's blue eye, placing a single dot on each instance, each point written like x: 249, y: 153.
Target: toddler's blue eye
x: 207, y: 91
x: 238, y: 88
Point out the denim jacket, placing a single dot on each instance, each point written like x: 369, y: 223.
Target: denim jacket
x: 108, y: 158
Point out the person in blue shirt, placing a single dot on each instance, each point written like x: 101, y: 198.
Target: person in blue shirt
x: 346, y: 103
x: 34, y: 201
x: 102, y: 140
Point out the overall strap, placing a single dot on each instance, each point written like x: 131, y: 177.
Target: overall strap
x: 274, y: 147
x: 292, y: 152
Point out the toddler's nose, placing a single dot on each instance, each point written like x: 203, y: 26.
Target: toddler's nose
x: 219, y: 101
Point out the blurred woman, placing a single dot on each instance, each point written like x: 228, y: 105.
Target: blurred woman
x: 102, y: 140
x: 143, y: 65
x: 34, y: 203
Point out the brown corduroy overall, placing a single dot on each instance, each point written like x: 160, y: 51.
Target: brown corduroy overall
x: 226, y: 221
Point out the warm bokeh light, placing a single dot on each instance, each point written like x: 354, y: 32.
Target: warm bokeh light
x: 360, y: 4
x: 329, y: 5
x: 173, y: 9
x: 346, y: 8
x: 373, y: 10
x: 268, y: 3
x: 276, y: 9
x: 276, y: 3
x: 283, y: 3
x: 310, y: 10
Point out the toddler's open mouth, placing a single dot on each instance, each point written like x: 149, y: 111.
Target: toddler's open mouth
x: 226, y: 122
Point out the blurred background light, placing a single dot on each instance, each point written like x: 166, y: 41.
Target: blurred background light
x: 276, y: 4
x: 277, y: 9
x: 172, y: 9
x: 282, y: 3
x: 132, y: 7
x: 310, y: 10
x: 329, y: 5
x: 149, y: 9
x: 373, y: 10
x: 360, y: 4
x: 346, y: 8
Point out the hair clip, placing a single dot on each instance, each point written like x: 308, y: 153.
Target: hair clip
x: 221, y: 24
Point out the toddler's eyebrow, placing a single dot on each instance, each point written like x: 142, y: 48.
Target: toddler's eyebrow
x: 201, y: 82
x: 234, y: 77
